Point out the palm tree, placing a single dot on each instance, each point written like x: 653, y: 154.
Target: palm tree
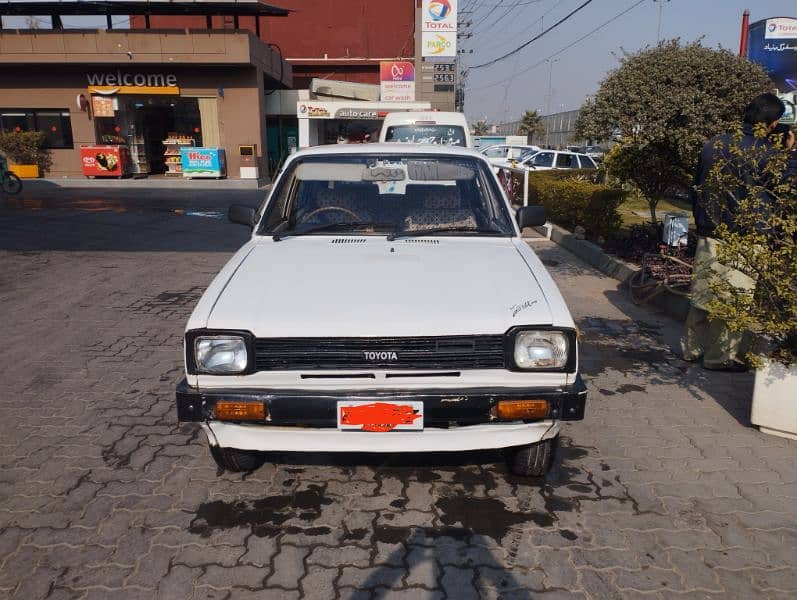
x: 481, y: 127
x: 531, y: 124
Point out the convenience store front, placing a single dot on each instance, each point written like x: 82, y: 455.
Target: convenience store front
x: 118, y: 118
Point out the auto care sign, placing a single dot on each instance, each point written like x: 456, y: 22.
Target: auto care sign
x: 439, y: 28
x: 397, y: 81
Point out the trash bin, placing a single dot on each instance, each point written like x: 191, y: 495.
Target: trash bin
x: 248, y: 154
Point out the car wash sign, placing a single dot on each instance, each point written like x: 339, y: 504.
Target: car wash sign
x: 773, y: 44
x: 438, y: 28
x: 396, y: 81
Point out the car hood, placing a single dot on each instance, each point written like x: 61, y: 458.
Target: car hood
x: 359, y: 287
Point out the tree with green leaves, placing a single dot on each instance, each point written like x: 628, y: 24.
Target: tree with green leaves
x: 662, y: 104
x: 481, y: 127
x: 531, y: 124
x: 761, y: 242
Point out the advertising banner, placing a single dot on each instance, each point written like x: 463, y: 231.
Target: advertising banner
x: 439, y: 28
x: 397, y: 81
x: 105, y: 161
x: 102, y: 106
x: 203, y: 162
x: 439, y: 15
x: 773, y: 44
x: 435, y: 44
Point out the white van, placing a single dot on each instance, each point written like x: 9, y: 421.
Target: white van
x: 427, y: 127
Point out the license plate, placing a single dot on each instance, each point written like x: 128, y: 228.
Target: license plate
x: 380, y: 416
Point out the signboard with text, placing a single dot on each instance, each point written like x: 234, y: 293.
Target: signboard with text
x: 203, y: 162
x: 397, y: 81
x: 438, y: 28
x: 773, y: 44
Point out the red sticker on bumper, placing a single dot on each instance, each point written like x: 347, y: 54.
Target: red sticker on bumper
x: 378, y: 416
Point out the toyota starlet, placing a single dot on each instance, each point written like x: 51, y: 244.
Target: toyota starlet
x: 385, y: 302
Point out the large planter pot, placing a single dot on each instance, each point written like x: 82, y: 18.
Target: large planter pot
x: 25, y: 171
x: 775, y: 400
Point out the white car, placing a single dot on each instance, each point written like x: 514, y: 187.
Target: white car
x: 426, y: 127
x: 385, y: 302
x: 553, y: 159
x: 502, y: 153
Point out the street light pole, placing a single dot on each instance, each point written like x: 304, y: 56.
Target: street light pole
x: 548, y: 97
x: 658, y: 27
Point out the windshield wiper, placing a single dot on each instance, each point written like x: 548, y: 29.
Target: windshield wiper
x: 433, y: 230
x: 329, y: 227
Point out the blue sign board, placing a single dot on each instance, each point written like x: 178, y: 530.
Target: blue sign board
x: 203, y: 162
x: 773, y: 44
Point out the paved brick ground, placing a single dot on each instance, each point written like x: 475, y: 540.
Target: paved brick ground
x: 664, y: 491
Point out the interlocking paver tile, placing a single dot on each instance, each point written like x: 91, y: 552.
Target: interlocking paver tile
x: 663, y: 491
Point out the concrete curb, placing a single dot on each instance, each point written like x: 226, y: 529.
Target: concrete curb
x: 672, y: 304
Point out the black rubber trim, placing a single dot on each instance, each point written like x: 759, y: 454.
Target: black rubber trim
x: 442, y: 407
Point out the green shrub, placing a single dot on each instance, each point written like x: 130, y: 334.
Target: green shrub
x: 25, y: 148
x: 540, y: 180
x: 573, y: 202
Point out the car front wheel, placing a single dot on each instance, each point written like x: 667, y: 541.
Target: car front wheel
x: 231, y: 459
x: 533, y: 460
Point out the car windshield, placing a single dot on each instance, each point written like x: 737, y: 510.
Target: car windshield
x: 389, y: 194
x: 447, y: 135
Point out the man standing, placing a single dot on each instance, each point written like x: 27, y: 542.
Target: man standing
x: 710, y: 339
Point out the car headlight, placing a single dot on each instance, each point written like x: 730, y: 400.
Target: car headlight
x: 541, y: 350
x: 221, y: 354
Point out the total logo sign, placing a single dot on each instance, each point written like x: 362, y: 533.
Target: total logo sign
x: 439, y: 15
x: 781, y: 28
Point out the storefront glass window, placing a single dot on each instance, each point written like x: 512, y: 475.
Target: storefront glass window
x: 54, y: 123
x: 154, y: 128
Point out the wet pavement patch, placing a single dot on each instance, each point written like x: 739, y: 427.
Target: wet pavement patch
x: 550, y: 263
x: 265, y: 515
x: 568, y: 535
x: 629, y: 387
x: 486, y: 516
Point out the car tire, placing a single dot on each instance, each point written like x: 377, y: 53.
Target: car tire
x: 231, y: 459
x: 533, y: 460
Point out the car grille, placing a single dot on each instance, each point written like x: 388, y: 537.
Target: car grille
x: 445, y: 352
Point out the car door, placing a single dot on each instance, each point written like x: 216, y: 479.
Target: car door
x: 566, y: 160
x: 542, y: 160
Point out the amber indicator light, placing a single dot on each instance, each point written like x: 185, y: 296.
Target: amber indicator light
x: 512, y: 410
x: 240, y: 411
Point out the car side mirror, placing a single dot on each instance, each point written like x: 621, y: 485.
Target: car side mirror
x: 243, y: 215
x: 531, y: 216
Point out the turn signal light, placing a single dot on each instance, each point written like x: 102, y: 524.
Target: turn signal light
x: 227, y: 410
x: 513, y: 410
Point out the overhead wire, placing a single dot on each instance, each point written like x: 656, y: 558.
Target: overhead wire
x: 561, y: 50
x: 535, y: 38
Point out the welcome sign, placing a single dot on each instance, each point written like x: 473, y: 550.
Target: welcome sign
x: 396, y: 81
x: 132, y: 83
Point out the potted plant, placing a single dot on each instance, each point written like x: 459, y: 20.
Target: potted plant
x: 24, y: 150
x: 762, y: 244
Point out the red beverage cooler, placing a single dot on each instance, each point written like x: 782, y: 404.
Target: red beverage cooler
x: 105, y: 161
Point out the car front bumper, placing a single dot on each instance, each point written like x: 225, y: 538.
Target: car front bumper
x: 306, y: 421
x: 442, y: 407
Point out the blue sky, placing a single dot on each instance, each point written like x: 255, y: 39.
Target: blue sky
x: 501, y: 93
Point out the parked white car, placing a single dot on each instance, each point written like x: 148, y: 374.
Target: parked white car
x: 501, y: 153
x: 426, y: 127
x: 553, y: 159
x: 385, y: 302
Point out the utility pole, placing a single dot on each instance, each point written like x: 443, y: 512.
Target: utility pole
x: 658, y: 28
x: 548, y: 97
x: 464, y: 22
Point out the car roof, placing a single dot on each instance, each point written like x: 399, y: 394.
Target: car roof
x: 387, y: 148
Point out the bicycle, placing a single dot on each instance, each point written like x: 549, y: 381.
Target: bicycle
x: 9, y: 181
